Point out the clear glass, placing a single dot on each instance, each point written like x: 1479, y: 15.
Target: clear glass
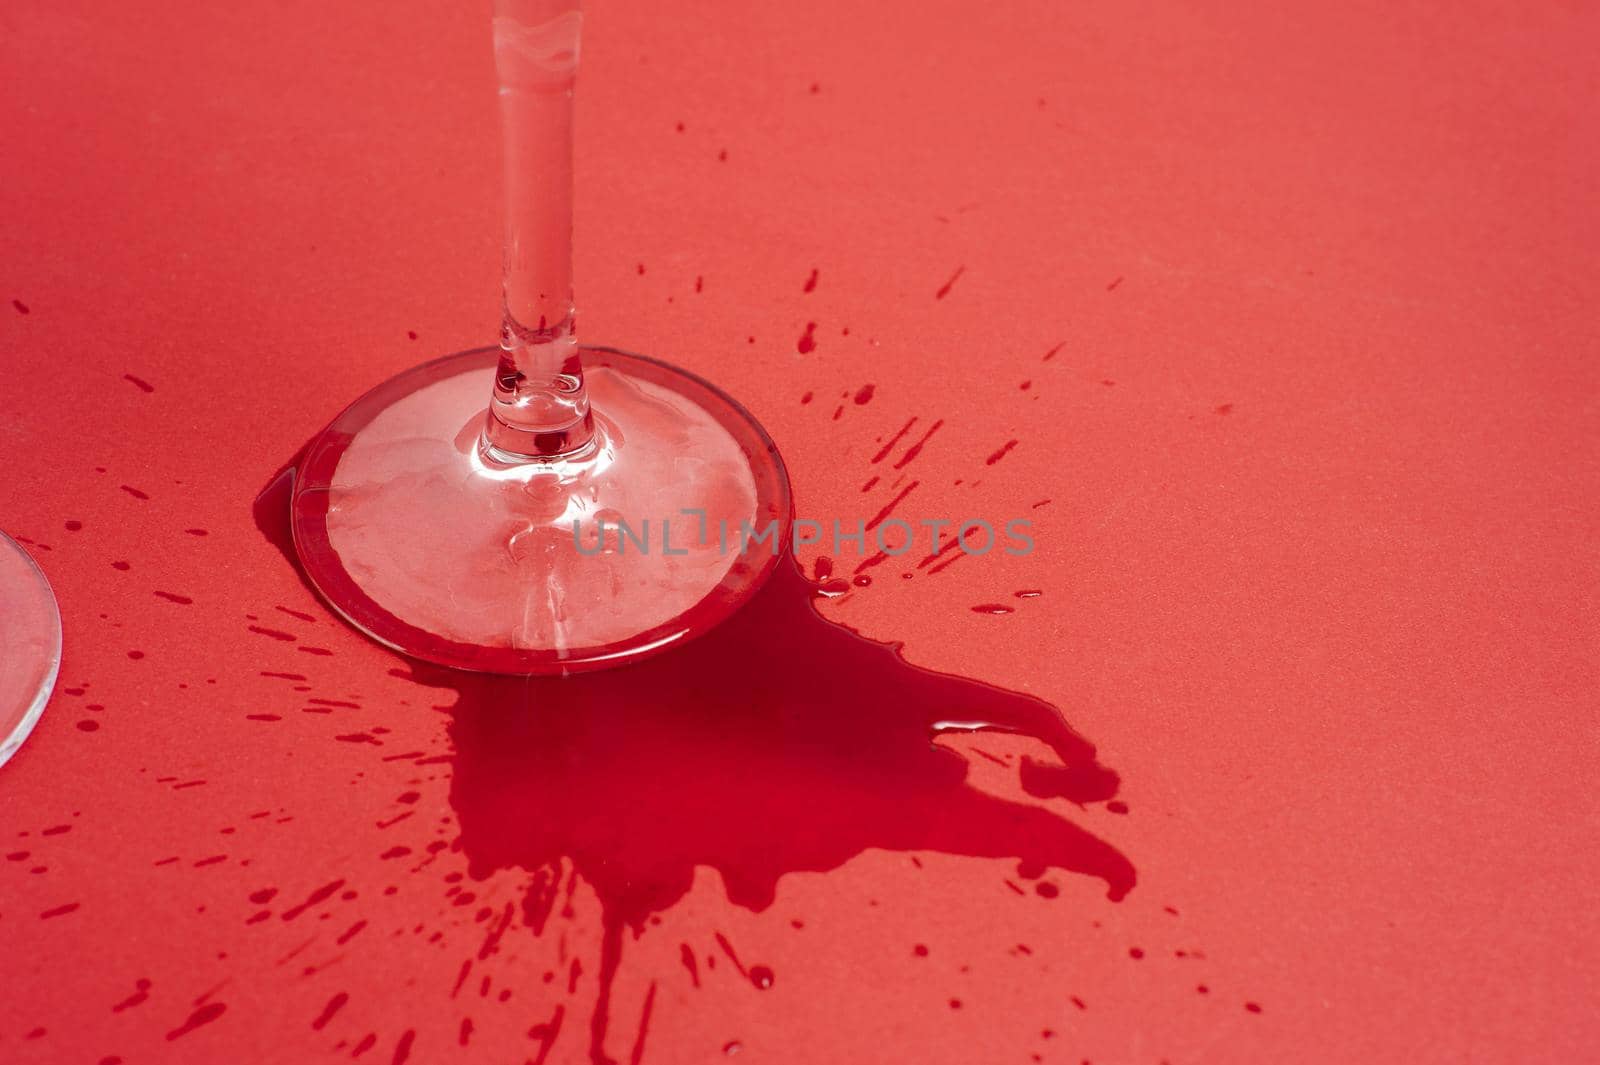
x: 542, y: 507
x: 30, y: 645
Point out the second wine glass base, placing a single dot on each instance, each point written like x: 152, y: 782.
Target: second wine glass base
x: 30, y: 645
x: 422, y: 540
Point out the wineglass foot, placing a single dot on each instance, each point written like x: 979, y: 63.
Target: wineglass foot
x: 30, y: 645
x: 659, y: 529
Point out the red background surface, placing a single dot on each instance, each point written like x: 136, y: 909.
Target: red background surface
x: 1319, y: 564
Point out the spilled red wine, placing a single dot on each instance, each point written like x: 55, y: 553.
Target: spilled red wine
x: 777, y: 743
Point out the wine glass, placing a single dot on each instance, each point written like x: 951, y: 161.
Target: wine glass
x: 30, y: 645
x: 539, y: 507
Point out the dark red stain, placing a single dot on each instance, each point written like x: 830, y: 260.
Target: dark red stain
x: 196, y: 532
x: 811, y: 282
x: 864, y: 395
x: 141, y: 994
x: 883, y: 452
x: 1135, y: 953
x: 303, y: 616
x: 952, y: 557
x: 637, y: 1054
x: 59, y: 911
x: 1052, y: 352
x: 1226, y: 408
x: 749, y: 769
x: 808, y: 340
x: 198, y: 1019
x: 173, y: 597
x: 1253, y: 1007
x: 1029, y: 593
x: 805, y: 399
x: 686, y: 955
x: 73, y: 525
x: 1005, y: 449
x: 1114, y: 284
x: 276, y: 634
x: 411, y: 334
x: 832, y: 589
x: 882, y: 515
x: 993, y: 608
x: 916, y: 449
x: 402, y: 1047
x: 334, y: 1005
x: 123, y: 566
x: 944, y: 289
x: 758, y: 975
x: 1117, y: 806
x: 141, y: 385
x: 776, y: 744
x: 134, y: 492
x: 22, y: 308
x: 321, y: 894
x: 88, y: 725
x: 546, y: 1033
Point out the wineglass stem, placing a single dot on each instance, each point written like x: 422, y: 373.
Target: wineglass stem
x: 540, y: 407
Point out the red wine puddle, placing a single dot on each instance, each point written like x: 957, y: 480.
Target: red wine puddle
x: 777, y: 743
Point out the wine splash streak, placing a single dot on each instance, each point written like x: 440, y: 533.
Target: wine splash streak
x: 777, y: 743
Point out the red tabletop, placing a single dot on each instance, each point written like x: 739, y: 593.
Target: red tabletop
x: 1277, y: 323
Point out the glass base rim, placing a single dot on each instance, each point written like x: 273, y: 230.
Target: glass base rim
x: 313, y: 474
x: 28, y: 612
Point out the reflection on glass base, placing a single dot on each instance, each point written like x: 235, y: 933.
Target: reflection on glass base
x: 431, y: 544
x: 30, y: 645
